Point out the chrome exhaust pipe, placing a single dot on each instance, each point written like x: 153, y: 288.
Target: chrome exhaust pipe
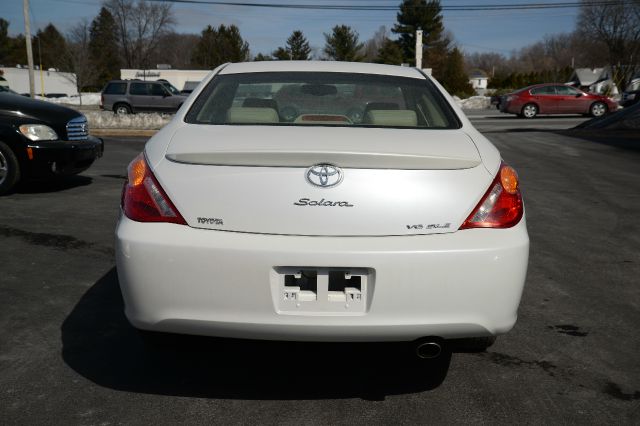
x: 428, y: 350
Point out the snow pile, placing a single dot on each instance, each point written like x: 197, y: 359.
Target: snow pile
x: 474, y: 102
x: 109, y: 120
x: 87, y: 99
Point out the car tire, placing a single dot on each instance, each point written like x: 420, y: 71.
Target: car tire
x: 598, y: 109
x: 121, y: 109
x: 529, y: 111
x: 9, y: 169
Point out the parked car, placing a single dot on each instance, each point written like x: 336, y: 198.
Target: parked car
x: 131, y: 96
x: 7, y: 90
x: 405, y: 225
x: 555, y: 98
x: 630, y: 97
x: 40, y: 139
x: 189, y: 86
x: 496, y: 100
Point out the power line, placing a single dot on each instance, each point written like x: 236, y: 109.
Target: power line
x: 451, y: 8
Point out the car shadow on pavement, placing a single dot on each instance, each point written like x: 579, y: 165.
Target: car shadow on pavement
x: 99, y: 344
x: 622, y: 139
x: 55, y: 184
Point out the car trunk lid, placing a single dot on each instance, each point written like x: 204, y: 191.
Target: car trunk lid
x: 255, y: 179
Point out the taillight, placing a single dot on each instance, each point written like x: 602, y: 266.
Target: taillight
x: 143, y: 199
x: 101, y: 100
x: 501, y: 206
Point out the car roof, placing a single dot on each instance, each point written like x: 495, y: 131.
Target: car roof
x: 321, y: 66
x: 535, y: 86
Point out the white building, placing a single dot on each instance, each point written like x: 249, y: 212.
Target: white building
x: 178, y: 78
x: 479, y: 81
x: 46, y: 82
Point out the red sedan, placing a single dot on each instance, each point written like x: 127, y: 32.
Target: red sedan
x: 555, y: 98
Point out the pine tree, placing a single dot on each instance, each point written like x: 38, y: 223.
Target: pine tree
x: 220, y: 45
x: 5, y: 41
x: 454, y: 77
x: 12, y: 51
x: 232, y: 47
x: 389, y: 53
x: 427, y: 16
x: 17, y: 52
x: 282, y: 54
x: 203, y: 54
x: 343, y: 45
x: 262, y: 57
x: 48, y: 46
x: 103, y: 47
x: 299, y: 47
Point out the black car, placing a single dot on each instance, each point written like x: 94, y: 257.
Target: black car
x: 630, y: 98
x: 41, y: 139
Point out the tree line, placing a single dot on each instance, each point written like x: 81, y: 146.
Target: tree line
x: 139, y: 34
x: 604, y: 35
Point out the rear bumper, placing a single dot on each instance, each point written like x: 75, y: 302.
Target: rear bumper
x: 184, y: 280
x: 63, y: 157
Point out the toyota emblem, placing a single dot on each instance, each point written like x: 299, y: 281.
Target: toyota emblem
x: 324, y: 175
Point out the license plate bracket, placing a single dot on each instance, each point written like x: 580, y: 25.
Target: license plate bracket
x: 312, y: 290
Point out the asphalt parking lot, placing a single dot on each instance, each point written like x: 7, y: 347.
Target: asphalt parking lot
x: 68, y: 355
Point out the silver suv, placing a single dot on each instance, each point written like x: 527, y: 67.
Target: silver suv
x: 131, y: 96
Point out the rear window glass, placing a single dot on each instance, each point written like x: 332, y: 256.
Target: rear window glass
x: 322, y: 99
x: 115, y: 89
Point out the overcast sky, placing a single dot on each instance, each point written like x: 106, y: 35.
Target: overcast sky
x: 266, y: 29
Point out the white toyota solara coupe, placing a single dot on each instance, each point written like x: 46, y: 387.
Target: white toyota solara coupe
x: 322, y: 201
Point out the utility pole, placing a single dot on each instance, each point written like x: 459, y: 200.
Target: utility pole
x: 27, y: 36
x: 419, y: 49
x: 40, y: 66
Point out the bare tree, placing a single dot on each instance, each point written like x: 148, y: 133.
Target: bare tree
x: 140, y: 26
x: 177, y: 50
x: 76, y: 57
x: 489, y: 62
x: 373, y: 45
x: 615, y: 26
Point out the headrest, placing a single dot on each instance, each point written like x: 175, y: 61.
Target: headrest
x: 260, y: 103
x: 381, y: 105
x: 252, y: 115
x: 393, y: 118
